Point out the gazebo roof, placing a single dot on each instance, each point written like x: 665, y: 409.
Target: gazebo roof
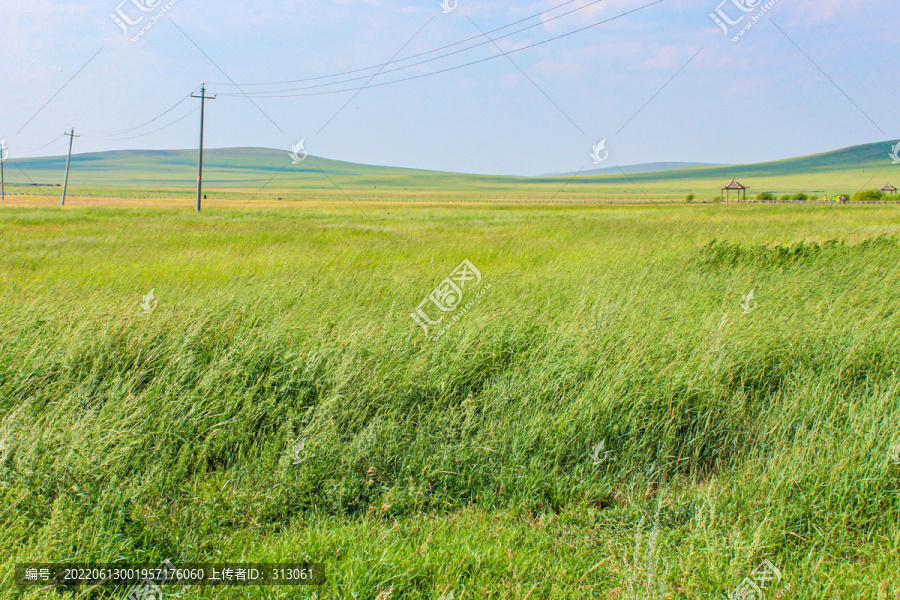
x: 734, y: 185
x: 888, y: 188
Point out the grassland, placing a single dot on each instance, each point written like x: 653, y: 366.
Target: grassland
x: 465, y: 464
x: 265, y: 174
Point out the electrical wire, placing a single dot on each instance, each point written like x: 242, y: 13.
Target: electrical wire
x: 121, y: 139
x: 135, y: 128
x: 56, y: 139
x: 280, y: 94
x: 549, y: 10
x: 422, y: 62
x: 115, y: 136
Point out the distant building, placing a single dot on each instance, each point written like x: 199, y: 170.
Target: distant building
x: 734, y: 185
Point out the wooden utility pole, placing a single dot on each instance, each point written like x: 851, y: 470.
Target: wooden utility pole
x: 72, y: 137
x: 203, y: 98
x: 2, y: 178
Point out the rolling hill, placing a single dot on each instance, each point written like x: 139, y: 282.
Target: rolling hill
x: 271, y: 172
x: 642, y: 168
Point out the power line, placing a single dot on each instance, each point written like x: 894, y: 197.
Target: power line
x: 60, y: 90
x: 134, y: 137
x: 113, y: 135
x: 50, y: 143
x: 390, y: 62
x: 135, y: 128
x: 262, y: 93
x: 421, y: 29
x: 116, y: 139
x: 277, y: 94
x: 209, y: 58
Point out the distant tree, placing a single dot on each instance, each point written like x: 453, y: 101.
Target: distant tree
x: 689, y: 198
x: 785, y: 198
x: 800, y: 196
x: 813, y: 198
x: 868, y: 196
x: 717, y: 199
x: 765, y: 196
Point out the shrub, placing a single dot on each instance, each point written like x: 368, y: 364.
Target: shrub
x: 814, y: 198
x: 799, y: 196
x: 785, y: 198
x: 717, y: 199
x: 868, y: 196
x: 766, y: 196
x: 689, y: 198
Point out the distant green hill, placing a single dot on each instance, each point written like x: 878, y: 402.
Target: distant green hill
x: 271, y: 172
x: 643, y: 168
x: 179, y: 167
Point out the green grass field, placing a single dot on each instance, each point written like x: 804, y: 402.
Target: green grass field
x: 731, y: 434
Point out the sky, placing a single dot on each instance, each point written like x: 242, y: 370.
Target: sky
x: 654, y: 80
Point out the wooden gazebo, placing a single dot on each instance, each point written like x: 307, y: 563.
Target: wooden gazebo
x: 889, y: 190
x: 734, y: 185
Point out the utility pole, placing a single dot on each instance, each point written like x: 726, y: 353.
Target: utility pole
x: 203, y: 98
x: 2, y: 178
x: 72, y: 137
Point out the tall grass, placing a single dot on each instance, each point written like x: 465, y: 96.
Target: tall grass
x: 462, y: 464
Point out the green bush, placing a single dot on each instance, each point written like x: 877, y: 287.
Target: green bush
x: 868, y: 196
x: 766, y: 196
x: 689, y: 198
x: 785, y: 198
x: 813, y: 198
x: 799, y: 196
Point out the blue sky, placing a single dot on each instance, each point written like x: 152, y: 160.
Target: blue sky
x: 755, y: 99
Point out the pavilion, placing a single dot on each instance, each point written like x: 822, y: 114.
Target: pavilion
x: 889, y: 190
x: 734, y: 185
